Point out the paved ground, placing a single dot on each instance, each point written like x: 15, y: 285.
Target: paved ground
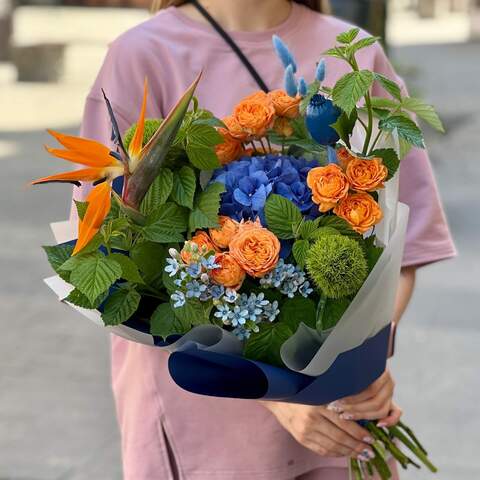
x: 56, y: 412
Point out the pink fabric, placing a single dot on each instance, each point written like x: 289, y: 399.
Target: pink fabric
x: 163, y: 428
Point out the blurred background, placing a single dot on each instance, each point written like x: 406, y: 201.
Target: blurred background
x: 56, y: 410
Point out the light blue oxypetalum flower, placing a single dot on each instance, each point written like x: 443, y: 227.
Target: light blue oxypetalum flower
x: 217, y: 291
x: 230, y: 295
x: 305, y: 289
x: 258, y: 301
x: 172, y: 266
x: 195, y: 289
x: 242, y: 333
x: 302, y: 87
x: 224, y: 313
x: 320, y: 114
x: 271, y: 311
x: 284, y: 53
x: 289, y: 288
x: 209, y: 263
x: 239, y: 316
x: 194, y: 270
x: 178, y: 299
x: 290, y: 82
x: 321, y: 71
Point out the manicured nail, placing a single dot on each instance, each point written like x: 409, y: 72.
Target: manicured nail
x: 368, y: 453
x: 381, y: 424
x: 363, y: 458
x: 346, y: 416
x: 335, y: 407
x: 369, y: 440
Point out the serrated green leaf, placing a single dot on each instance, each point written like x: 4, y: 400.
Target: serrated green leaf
x: 283, y: 216
x: 390, y: 159
x: 57, y: 255
x: 321, y: 231
x: 206, y: 207
x: 75, y: 261
x: 345, y: 124
x: 95, y: 275
x: 382, y: 102
x: 332, y: 313
x: 81, y: 208
x: 203, y: 135
x: 184, y: 184
x: 265, y: 345
x: 166, y: 224
x: 349, y: 36
x: 363, y: 43
x: 164, y: 322
x: 405, y: 128
x: 150, y: 258
x: 211, y: 121
x: 339, y: 224
x: 294, y: 311
x: 202, y: 157
x: 306, y: 228
x: 351, y: 88
x: 404, y: 149
x: 372, y: 252
x: 168, y: 282
x: 389, y: 85
x: 120, y: 306
x: 76, y: 297
x: 158, y: 192
x: 130, y: 270
x: 424, y: 111
x: 300, y: 250
x: 336, y: 52
x: 194, y: 312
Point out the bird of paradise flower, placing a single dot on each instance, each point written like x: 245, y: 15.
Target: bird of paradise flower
x: 139, y: 165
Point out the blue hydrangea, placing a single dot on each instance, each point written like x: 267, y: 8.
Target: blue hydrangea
x: 178, y: 299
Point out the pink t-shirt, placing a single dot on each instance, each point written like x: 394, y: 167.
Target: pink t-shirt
x: 209, y: 437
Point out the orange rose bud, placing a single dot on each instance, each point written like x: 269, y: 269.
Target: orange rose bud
x: 255, y: 114
x: 230, y: 274
x: 235, y: 129
x: 204, y: 244
x: 366, y: 175
x: 222, y: 236
x: 328, y: 184
x: 231, y: 149
x: 284, y: 104
x: 360, y: 210
x: 256, y: 249
x: 282, y: 126
x: 344, y: 156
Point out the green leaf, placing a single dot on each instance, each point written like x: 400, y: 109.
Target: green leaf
x: 339, y: 224
x: 406, y: 129
x: 300, y: 251
x: 424, y: 111
x: 332, y: 313
x: 202, y: 157
x: 158, y: 192
x: 390, y: 159
x: 76, y: 297
x: 307, y: 228
x: 81, y: 208
x: 363, y: 43
x: 349, y: 36
x: 57, y: 255
x: 351, y: 88
x: 312, y: 89
x: 150, y: 258
x: 405, y: 148
x: 372, y: 252
x: 164, y: 322
x: 129, y: 268
x: 206, y: 207
x: 382, y: 102
x: 165, y: 224
x: 265, y: 345
x: 389, y: 85
x: 203, y: 135
x: 283, y: 216
x: 95, y: 275
x: 194, y: 312
x: 120, y: 306
x: 298, y: 310
x: 184, y: 184
x: 345, y: 124
x: 211, y: 121
x: 168, y: 282
x: 321, y: 231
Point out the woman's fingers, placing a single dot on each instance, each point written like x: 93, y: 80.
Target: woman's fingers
x: 353, y: 429
x: 392, y: 418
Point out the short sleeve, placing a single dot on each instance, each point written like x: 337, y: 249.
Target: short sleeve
x: 428, y: 236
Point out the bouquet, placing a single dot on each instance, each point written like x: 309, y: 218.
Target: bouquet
x: 262, y: 250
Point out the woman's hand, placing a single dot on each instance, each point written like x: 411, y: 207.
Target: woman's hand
x: 374, y: 403
x: 322, y: 430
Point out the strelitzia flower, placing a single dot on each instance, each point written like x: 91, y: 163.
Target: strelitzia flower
x: 139, y: 164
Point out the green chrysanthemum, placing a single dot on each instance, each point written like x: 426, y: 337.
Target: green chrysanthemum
x: 151, y: 126
x: 337, y: 265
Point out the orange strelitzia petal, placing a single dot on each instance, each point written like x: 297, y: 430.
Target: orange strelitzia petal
x: 84, y: 175
x: 82, y: 150
x: 99, y: 201
x: 135, y: 146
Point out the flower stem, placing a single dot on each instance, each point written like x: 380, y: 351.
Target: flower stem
x: 368, y: 104
x: 269, y: 145
x: 377, y: 138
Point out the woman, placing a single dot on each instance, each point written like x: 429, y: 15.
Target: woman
x: 168, y: 433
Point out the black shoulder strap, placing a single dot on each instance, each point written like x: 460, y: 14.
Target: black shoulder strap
x: 253, y: 72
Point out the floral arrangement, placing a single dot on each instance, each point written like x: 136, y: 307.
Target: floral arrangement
x: 260, y: 225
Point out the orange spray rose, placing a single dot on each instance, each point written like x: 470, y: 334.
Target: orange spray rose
x: 282, y: 126
x: 344, y: 156
x: 255, y: 114
x: 328, y: 184
x: 230, y: 274
x: 235, y: 129
x: 230, y: 149
x: 256, y: 249
x: 366, y: 175
x: 284, y: 104
x: 222, y: 236
x: 360, y: 210
x: 203, y: 242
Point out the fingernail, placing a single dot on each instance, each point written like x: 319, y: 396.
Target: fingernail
x: 363, y: 458
x: 335, y: 407
x: 369, y: 440
x: 381, y: 424
x: 368, y: 453
x: 346, y: 416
